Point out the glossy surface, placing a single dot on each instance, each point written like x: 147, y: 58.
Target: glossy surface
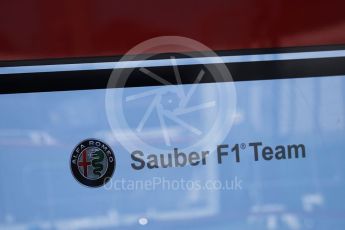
x: 37, y: 29
x: 38, y: 190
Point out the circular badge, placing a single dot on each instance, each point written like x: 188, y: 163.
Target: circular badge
x: 93, y: 162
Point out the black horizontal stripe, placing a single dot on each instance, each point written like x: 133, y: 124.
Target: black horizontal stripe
x: 98, y: 79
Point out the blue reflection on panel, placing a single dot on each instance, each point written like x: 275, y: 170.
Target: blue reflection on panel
x: 39, y: 130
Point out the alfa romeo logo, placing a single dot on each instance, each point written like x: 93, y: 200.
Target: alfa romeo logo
x: 92, y: 162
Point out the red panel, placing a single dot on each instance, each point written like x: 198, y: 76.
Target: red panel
x: 35, y: 29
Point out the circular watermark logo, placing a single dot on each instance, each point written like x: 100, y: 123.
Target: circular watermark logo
x: 92, y: 162
x: 181, y: 105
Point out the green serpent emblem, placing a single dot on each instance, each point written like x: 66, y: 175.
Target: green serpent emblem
x: 98, y: 157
